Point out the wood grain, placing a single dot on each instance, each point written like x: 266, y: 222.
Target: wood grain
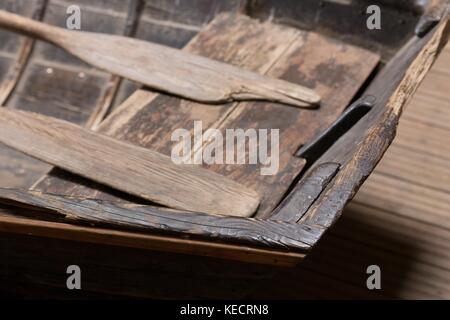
x: 106, y: 103
x: 336, y: 70
x: 138, y: 171
x: 132, y: 239
x: 166, y: 69
x: 364, y: 161
x: 294, y: 205
x: 361, y: 148
x: 27, y: 44
x: 148, y: 119
x: 272, y: 234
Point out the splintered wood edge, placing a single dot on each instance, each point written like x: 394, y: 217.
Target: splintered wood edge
x: 208, y: 248
x: 104, y: 236
x: 264, y: 233
x: 377, y: 138
x: 154, y: 176
x: 173, y: 75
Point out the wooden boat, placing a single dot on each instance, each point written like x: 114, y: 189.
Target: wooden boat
x: 365, y: 78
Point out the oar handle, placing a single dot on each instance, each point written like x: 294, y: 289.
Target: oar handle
x: 27, y: 26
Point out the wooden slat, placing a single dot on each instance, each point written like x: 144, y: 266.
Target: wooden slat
x: 17, y: 169
x: 127, y: 239
x: 398, y: 220
x: 432, y: 140
x: 278, y: 51
x: 54, y: 83
x: 137, y: 171
x: 149, y: 120
x: 106, y: 102
x: 336, y: 71
x: 58, y: 84
x: 429, y: 110
x: 9, y: 79
x: 413, y: 258
x: 173, y: 24
x: 149, y: 218
x: 165, y: 69
x: 421, y: 169
x: 384, y: 191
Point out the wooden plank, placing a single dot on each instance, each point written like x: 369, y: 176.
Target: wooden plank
x: 361, y: 148
x: 423, y: 138
x: 394, y: 232
x: 174, y: 24
x: 431, y: 243
x: 383, y: 192
x: 17, y: 169
x: 134, y: 170
x: 58, y: 84
x: 149, y: 121
x: 106, y: 103
x: 336, y: 71
x: 164, y: 68
x: 128, y: 239
x: 53, y: 82
x: 147, y: 218
x: 429, y: 110
x: 292, y: 208
x: 415, y: 167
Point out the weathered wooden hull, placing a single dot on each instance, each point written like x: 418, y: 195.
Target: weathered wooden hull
x: 340, y: 153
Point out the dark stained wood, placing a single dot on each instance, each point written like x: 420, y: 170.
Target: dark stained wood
x: 362, y: 147
x: 57, y: 84
x: 131, y: 169
x: 120, y: 272
x: 16, y: 169
x: 336, y: 71
x: 272, y: 234
x: 14, y: 221
x: 53, y: 82
x: 106, y: 103
x: 434, y: 11
x: 149, y: 120
x: 356, y: 152
x: 164, y: 68
x: 346, y: 20
x: 12, y: 76
x: 297, y: 203
x: 173, y: 23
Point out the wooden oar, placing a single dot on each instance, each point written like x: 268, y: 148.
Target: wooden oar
x: 126, y: 167
x: 163, y: 68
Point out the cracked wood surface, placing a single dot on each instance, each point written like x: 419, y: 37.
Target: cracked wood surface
x: 123, y: 166
x: 148, y: 119
x: 164, y: 68
x: 272, y: 234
